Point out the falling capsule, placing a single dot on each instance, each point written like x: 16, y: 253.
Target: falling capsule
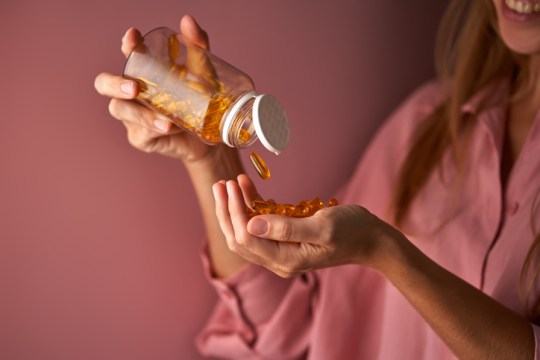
x: 259, y: 165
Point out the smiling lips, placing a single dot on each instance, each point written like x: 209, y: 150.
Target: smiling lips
x: 523, y: 6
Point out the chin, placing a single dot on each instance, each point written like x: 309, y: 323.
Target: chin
x: 521, y: 43
x: 520, y: 31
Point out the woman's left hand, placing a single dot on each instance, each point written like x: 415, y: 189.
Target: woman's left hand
x: 352, y: 235
x: 338, y: 235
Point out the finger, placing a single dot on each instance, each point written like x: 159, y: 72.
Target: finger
x: 190, y: 29
x: 115, y: 86
x: 238, y: 213
x: 148, y: 140
x: 291, y: 253
x: 248, y: 189
x: 237, y: 209
x: 264, y: 249
x: 132, y: 113
x: 131, y: 38
x: 224, y: 218
x: 284, y: 258
x: 222, y: 210
x: 197, y: 58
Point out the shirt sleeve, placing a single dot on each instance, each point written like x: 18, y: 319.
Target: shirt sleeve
x: 258, y: 315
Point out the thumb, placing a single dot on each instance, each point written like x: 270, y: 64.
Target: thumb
x: 282, y: 228
x: 191, y: 30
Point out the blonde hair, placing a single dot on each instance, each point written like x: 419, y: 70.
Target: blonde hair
x: 469, y: 56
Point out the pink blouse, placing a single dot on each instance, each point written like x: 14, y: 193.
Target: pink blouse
x: 351, y: 312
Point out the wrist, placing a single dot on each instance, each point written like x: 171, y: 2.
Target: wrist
x: 222, y: 163
x: 391, y: 252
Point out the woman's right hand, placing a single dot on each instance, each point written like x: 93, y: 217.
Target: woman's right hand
x: 147, y: 130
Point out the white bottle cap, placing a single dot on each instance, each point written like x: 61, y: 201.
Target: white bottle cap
x: 269, y: 120
x: 270, y: 123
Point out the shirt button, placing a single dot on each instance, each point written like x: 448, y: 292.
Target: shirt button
x: 512, y: 208
x: 247, y: 334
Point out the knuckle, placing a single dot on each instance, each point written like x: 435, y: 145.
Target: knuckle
x: 284, y: 271
x: 327, y: 235
x: 140, y: 138
x: 147, y: 146
x: 132, y: 138
x: 286, y: 274
x: 114, y: 108
x: 281, y: 274
x: 286, y: 231
x: 327, y: 229
x: 233, y: 245
x: 244, y: 240
x: 135, y: 139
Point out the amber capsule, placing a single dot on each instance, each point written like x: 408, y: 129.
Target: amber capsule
x: 317, y: 203
x: 244, y: 136
x: 285, y: 209
x: 259, y: 165
x: 174, y: 47
x: 266, y: 211
x: 301, y: 211
x: 182, y: 71
x: 332, y: 202
x: 198, y: 87
x: 144, y: 83
x: 259, y: 204
x: 160, y: 100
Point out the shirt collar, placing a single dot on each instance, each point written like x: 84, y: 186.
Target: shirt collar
x: 489, y: 106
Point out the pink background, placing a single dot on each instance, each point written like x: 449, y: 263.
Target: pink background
x: 99, y: 242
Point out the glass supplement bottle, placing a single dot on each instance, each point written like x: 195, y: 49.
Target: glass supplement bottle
x: 203, y: 94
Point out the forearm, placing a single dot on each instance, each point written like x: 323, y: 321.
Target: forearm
x: 471, y: 323
x: 220, y: 165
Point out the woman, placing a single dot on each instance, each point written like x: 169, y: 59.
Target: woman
x: 435, y: 268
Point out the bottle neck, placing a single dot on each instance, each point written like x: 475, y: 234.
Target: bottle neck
x: 238, y: 130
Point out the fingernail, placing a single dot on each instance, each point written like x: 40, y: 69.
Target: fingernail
x: 258, y: 227
x: 127, y: 87
x: 161, y: 125
x: 214, y: 192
